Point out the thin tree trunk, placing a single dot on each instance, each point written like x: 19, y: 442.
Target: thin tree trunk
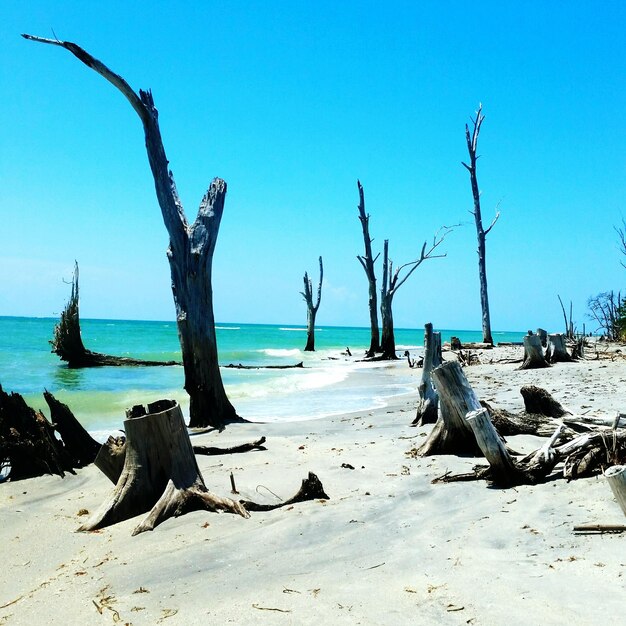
x: 190, y: 255
x: 481, y: 233
x: 367, y: 263
x: 388, y: 341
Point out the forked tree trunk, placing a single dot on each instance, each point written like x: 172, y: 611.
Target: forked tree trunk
x: 367, y: 262
x: 429, y: 400
x: 388, y: 340
x: 311, y: 307
x: 190, y: 255
x: 616, y: 477
x: 533, y: 354
x: 451, y: 433
x: 160, y: 473
x: 67, y: 341
x: 557, y: 350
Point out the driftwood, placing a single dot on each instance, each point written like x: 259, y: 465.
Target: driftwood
x: 160, y: 473
x: 429, y: 400
x: 266, y: 367
x: 616, y: 477
x: 311, y: 489
x: 451, y: 433
x: 543, y: 337
x: 592, y: 529
x: 67, y: 342
x: 244, y: 447
x: 508, y: 424
x: 533, y: 354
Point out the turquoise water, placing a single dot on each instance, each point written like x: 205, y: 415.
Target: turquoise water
x: 99, y: 396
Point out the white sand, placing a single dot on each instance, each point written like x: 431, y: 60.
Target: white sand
x: 387, y: 548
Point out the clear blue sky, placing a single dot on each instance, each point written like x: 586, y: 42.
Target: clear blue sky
x: 290, y: 103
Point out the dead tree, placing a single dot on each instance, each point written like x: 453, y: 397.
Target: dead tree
x: 160, y: 473
x: 533, y: 354
x: 616, y: 477
x: 311, y: 308
x: 429, y: 400
x: 67, y: 341
x: 367, y: 262
x: 190, y: 256
x: 481, y: 233
x: 451, y: 433
x: 392, y: 281
x: 569, y: 325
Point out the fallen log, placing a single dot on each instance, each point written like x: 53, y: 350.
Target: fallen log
x: 79, y: 444
x: 589, y: 529
x: 67, y: 342
x: 160, y: 473
x: 244, y: 447
x: 428, y: 405
x: 311, y: 489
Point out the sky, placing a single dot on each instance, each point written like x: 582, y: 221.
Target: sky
x: 291, y: 102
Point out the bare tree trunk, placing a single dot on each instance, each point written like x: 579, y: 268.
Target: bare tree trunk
x: 481, y: 233
x: 367, y: 262
x: 311, y: 308
x: 388, y: 341
x: 429, y: 400
x: 160, y: 473
x: 190, y: 255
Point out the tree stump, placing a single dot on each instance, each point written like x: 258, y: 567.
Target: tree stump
x: 557, y: 349
x: 160, y: 473
x: 455, y: 343
x: 616, y: 477
x: 533, y: 354
x: 451, y: 433
x: 543, y: 337
x: 429, y: 400
x: 539, y: 401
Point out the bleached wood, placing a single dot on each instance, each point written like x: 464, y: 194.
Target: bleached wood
x: 429, y: 400
x: 616, y: 477
x: 533, y: 353
x: 557, y: 349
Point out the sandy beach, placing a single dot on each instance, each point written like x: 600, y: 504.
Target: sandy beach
x: 388, y: 547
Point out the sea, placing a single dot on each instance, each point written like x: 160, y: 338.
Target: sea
x: 99, y: 396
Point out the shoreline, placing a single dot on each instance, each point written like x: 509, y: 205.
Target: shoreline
x: 387, y: 547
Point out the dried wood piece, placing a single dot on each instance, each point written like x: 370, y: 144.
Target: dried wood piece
x: 451, y: 433
x: 533, y: 354
x: 616, y: 477
x: 311, y: 489
x: 160, y: 473
x: 429, y: 400
x: 67, y: 342
x: 258, y: 367
x: 110, y: 458
x: 599, y: 529
x: 543, y: 337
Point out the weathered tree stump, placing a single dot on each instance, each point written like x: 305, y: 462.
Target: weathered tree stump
x: 451, y: 433
x: 78, y: 443
x: 616, y: 477
x: 557, y: 350
x: 311, y: 489
x: 110, y: 458
x: 533, y: 354
x: 455, y: 343
x: 160, y: 473
x: 429, y: 400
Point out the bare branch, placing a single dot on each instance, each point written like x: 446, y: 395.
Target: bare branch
x: 495, y: 219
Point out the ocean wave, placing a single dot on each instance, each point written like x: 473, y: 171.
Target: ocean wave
x: 281, y: 351
x: 299, y: 330
x: 227, y: 328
